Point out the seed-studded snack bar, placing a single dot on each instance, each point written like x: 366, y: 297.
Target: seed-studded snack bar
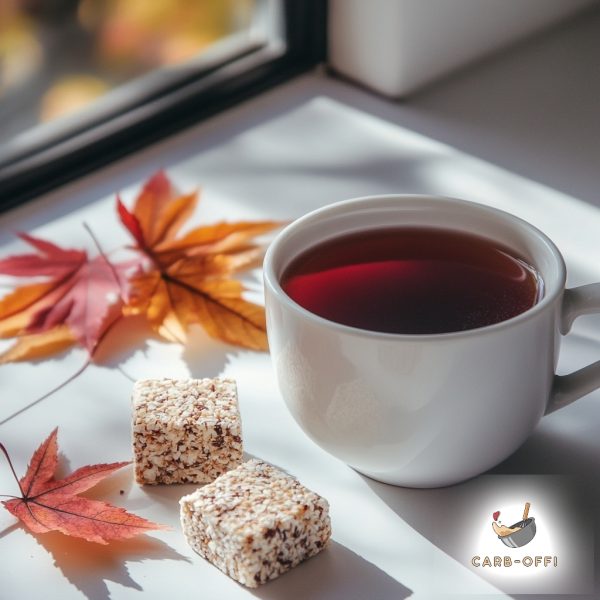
x: 185, y: 430
x: 255, y: 522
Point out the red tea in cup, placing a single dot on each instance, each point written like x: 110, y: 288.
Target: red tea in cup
x: 412, y: 281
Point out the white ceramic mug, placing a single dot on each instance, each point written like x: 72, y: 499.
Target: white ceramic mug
x: 424, y: 410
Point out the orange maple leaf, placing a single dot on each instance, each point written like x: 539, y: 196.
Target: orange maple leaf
x: 189, y: 277
x: 48, y: 504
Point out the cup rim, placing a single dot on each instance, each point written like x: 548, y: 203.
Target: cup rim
x: 272, y: 282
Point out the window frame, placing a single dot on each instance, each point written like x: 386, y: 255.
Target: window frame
x: 195, y: 97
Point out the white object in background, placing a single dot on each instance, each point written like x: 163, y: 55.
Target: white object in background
x: 396, y: 46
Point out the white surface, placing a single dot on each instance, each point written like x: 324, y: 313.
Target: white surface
x: 396, y: 46
x: 278, y: 157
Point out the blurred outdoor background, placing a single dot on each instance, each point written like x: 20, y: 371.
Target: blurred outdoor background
x: 57, y: 56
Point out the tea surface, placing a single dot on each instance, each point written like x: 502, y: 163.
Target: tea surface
x: 412, y: 281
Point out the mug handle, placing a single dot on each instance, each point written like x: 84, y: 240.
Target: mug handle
x: 583, y: 300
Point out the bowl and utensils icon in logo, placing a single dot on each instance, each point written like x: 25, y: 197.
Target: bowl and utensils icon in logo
x: 519, y: 533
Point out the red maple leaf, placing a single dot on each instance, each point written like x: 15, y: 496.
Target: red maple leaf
x: 48, y: 504
x: 81, y: 297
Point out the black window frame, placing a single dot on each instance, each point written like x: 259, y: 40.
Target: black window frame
x: 191, y: 101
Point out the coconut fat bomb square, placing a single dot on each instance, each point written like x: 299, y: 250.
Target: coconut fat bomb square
x: 255, y: 522
x: 185, y: 430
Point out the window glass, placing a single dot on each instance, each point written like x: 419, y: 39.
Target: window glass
x: 59, y: 56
